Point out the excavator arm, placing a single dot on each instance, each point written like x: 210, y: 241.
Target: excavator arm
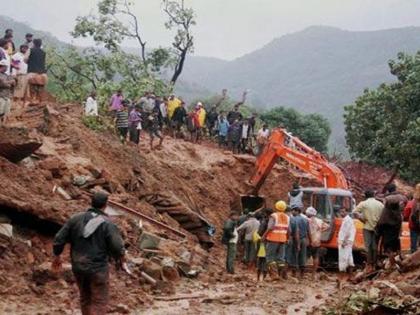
x: 283, y: 145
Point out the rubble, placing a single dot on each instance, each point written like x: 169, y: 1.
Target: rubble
x: 181, y: 193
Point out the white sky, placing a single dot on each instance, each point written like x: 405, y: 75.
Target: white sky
x: 228, y: 28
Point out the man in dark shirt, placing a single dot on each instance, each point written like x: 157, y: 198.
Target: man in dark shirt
x: 36, y: 60
x: 93, y: 239
x: 37, y: 77
x: 178, y: 119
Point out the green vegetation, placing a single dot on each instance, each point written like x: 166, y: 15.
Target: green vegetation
x: 313, y: 129
x: 75, y: 73
x: 383, y: 125
x: 115, y: 21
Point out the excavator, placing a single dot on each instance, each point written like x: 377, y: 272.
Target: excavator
x: 328, y: 199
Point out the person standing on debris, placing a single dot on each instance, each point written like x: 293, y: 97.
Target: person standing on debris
x: 154, y: 129
x: 261, y: 252
x: 316, y: 227
x: 94, y: 239
x: 262, y: 138
x: 91, y: 106
x: 250, y: 227
x: 178, y: 119
x: 115, y: 103
x: 245, y: 136
x: 275, y: 238
x: 230, y: 239
x: 20, y: 70
x: 295, y: 196
x: 346, y: 237
x: 234, y: 136
x: 212, y: 120
x: 134, y: 124
x: 412, y: 215
x: 121, y: 122
x: 389, y: 225
x: 235, y: 114
x: 4, y: 56
x: 7, y: 83
x: 202, y: 115
x: 369, y: 211
x: 223, y: 127
x: 299, y: 228
x: 37, y: 71
x: 173, y: 103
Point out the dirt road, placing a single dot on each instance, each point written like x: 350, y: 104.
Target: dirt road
x: 241, y: 294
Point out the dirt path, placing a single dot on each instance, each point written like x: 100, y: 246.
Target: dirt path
x: 240, y: 294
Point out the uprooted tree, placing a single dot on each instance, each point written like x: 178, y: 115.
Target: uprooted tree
x: 383, y: 125
x: 115, y: 21
x: 313, y: 129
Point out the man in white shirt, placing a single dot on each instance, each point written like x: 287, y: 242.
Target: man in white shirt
x: 91, y: 107
x: 20, y: 70
x: 245, y: 135
x: 262, y: 137
x: 346, y: 237
x: 4, y: 55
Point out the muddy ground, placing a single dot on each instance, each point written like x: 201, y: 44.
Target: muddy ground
x: 182, y: 185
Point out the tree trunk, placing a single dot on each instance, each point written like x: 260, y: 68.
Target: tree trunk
x: 179, y: 67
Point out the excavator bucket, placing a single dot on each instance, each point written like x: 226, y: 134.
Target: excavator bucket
x: 247, y: 203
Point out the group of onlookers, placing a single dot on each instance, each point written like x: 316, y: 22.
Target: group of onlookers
x: 274, y: 241
x: 157, y: 114
x: 22, y: 72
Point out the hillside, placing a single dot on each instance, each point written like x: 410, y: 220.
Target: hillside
x: 319, y: 69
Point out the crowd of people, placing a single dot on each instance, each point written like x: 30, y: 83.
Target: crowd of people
x: 282, y: 239
x: 22, y: 72
x: 169, y: 115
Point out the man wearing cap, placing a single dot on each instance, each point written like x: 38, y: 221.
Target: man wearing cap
x: 276, y: 237
x: 94, y: 239
x: 316, y: 227
x: 7, y: 83
x: 299, y: 228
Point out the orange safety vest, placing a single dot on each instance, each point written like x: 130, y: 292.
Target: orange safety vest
x: 281, y: 225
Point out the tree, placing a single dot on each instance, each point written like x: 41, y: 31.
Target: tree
x: 74, y: 73
x: 115, y: 22
x: 183, y: 19
x: 313, y: 129
x: 383, y: 125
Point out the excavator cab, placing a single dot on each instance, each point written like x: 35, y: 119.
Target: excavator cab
x: 328, y: 202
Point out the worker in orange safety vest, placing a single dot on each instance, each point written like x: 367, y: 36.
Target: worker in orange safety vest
x: 276, y: 237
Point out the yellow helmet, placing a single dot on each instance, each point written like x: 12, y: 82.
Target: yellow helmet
x: 281, y: 206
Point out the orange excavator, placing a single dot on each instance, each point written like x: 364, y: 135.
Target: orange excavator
x: 328, y: 200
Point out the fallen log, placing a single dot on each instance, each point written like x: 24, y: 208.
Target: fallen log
x: 143, y: 216
x: 180, y: 297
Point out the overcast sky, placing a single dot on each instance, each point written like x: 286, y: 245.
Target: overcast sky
x: 228, y: 28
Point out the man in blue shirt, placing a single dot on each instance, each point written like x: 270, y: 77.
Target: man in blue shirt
x: 299, y: 229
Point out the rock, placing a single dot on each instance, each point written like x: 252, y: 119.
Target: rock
x: 148, y: 241
x: 42, y: 274
x: 170, y: 273
x: 6, y: 230
x: 121, y: 309
x: 152, y: 269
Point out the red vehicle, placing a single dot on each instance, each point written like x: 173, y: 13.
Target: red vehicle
x: 328, y: 200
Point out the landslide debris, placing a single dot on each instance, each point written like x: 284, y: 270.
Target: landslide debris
x: 188, y: 187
